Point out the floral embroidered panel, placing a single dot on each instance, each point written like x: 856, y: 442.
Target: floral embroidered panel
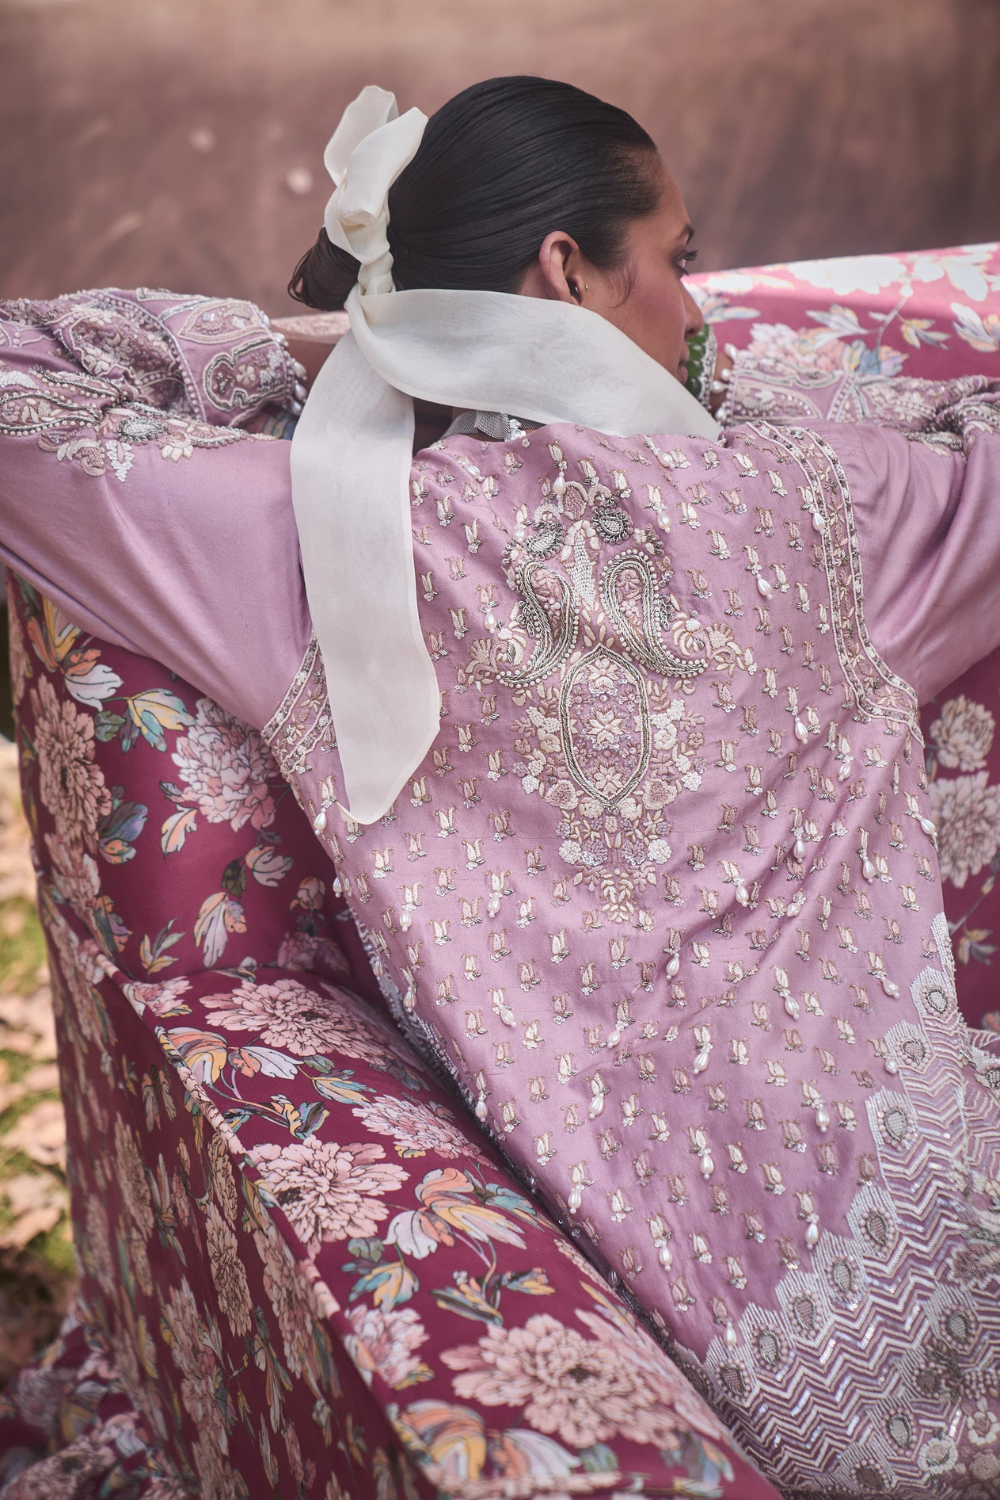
x: 933, y: 314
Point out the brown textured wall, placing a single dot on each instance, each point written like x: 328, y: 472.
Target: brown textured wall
x: 169, y: 142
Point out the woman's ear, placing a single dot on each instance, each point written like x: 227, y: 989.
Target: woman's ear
x: 558, y: 273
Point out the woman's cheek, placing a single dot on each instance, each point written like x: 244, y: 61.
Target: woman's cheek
x: 660, y: 323
x: 672, y: 324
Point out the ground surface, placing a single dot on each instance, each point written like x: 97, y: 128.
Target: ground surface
x: 36, y: 1262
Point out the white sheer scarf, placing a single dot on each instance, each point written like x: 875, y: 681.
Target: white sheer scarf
x: 351, y: 453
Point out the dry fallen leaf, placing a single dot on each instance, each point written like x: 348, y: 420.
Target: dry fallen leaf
x: 37, y: 1203
x: 41, y: 1079
x: 27, y: 1024
x: 40, y: 1134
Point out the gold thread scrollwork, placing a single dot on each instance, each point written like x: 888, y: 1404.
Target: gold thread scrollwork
x: 647, y: 647
x: 553, y: 646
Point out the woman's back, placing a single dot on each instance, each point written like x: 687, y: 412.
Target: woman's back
x: 663, y: 898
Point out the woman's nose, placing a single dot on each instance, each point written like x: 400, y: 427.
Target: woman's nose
x: 695, y: 321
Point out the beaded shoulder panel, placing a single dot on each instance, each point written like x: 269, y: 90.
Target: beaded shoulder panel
x: 877, y: 692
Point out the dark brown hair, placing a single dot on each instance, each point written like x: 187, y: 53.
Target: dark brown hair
x: 500, y: 166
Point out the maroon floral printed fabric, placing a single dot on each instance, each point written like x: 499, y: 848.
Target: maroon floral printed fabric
x: 69, y: 1428
x: 928, y: 314
x: 303, y: 1271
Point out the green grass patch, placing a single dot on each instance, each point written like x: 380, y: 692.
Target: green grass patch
x: 17, y: 1065
x: 54, y: 1251
x: 22, y: 946
x: 10, y: 1116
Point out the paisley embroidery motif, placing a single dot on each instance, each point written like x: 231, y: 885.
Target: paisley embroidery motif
x: 644, y: 645
x: 613, y: 743
x: 216, y: 321
x: 91, y: 422
x: 553, y: 645
x: 238, y: 380
x: 140, y: 385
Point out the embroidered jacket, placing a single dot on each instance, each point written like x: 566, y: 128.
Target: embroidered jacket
x: 663, y: 900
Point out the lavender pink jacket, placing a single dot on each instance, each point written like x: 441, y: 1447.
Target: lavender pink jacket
x: 664, y: 898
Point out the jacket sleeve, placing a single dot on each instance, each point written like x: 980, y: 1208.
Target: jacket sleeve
x: 133, y: 494
x: 926, y: 505
x: 783, y: 387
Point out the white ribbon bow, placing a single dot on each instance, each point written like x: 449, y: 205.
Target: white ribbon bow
x: 376, y: 143
x: 351, y: 453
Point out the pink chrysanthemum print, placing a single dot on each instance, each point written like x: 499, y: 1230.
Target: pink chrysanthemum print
x: 227, y: 1272
x: 70, y: 784
x: 303, y: 1020
x: 74, y: 875
x: 417, y: 1128
x: 288, y: 1293
x: 967, y: 813
x: 195, y: 1359
x: 227, y: 767
x: 384, y: 1344
x: 329, y: 1191
x: 670, y: 1388
x: 224, y: 1188
x: 581, y: 1389
x: 132, y: 1178
x: 963, y: 734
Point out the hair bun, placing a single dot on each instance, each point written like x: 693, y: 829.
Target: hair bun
x: 324, y: 277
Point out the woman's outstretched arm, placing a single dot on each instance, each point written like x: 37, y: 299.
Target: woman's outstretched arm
x: 923, y: 463
x: 126, y: 499
x: 783, y: 386
x: 927, y: 513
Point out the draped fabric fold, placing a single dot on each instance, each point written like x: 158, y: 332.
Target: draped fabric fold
x: 548, y: 361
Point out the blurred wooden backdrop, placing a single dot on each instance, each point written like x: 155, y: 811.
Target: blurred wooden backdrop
x: 178, y: 142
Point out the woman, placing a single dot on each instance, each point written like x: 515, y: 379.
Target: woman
x: 647, y: 705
